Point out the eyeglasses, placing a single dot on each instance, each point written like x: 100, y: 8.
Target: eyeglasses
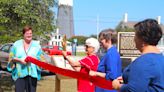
x: 86, y: 46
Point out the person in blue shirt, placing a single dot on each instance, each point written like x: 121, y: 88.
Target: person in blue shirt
x: 146, y: 73
x: 110, y: 64
x: 25, y: 74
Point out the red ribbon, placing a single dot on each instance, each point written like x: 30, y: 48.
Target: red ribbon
x: 98, y: 81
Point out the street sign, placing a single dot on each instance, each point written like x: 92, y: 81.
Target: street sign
x: 75, y: 40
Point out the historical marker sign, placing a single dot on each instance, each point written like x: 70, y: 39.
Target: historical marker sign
x: 126, y: 44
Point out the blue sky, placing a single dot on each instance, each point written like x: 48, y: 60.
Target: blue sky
x: 111, y: 12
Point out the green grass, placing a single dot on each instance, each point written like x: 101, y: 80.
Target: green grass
x: 80, y: 54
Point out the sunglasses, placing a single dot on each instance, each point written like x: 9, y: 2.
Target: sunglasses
x: 87, y: 46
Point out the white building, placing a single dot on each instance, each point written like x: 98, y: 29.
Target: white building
x: 56, y: 39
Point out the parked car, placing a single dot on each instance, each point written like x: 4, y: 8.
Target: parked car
x: 54, y: 50
x: 4, y: 55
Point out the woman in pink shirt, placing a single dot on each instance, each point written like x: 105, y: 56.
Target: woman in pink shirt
x: 90, y: 62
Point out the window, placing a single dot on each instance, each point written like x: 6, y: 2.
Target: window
x: 60, y: 48
x: 6, y: 48
x: 50, y: 47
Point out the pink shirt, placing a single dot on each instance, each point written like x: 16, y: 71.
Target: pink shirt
x: 88, y: 63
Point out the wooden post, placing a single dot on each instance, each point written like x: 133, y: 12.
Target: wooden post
x: 65, y: 84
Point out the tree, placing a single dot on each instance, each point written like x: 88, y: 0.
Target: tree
x: 80, y: 39
x: 124, y: 28
x: 15, y: 14
x: 93, y: 35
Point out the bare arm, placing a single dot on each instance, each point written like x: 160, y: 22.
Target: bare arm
x: 18, y: 60
x: 75, y: 65
x: 94, y: 73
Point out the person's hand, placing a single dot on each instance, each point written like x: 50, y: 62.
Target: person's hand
x: 23, y: 62
x: 116, y: 84
x: 120, y: 79
x: 15, y: 60
x: 19, y: 60
x: 64, y: 42
x: 64, y: 45
x: 92, y: 73
x: 13, y: 66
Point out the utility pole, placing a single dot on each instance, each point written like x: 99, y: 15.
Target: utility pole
x: 97, y: 22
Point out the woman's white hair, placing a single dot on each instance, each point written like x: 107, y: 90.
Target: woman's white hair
x: 93, y: 42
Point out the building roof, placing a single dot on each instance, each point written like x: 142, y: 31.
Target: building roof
x: 130, y: 24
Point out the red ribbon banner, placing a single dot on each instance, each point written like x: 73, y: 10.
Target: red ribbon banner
x: 98, y: 81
